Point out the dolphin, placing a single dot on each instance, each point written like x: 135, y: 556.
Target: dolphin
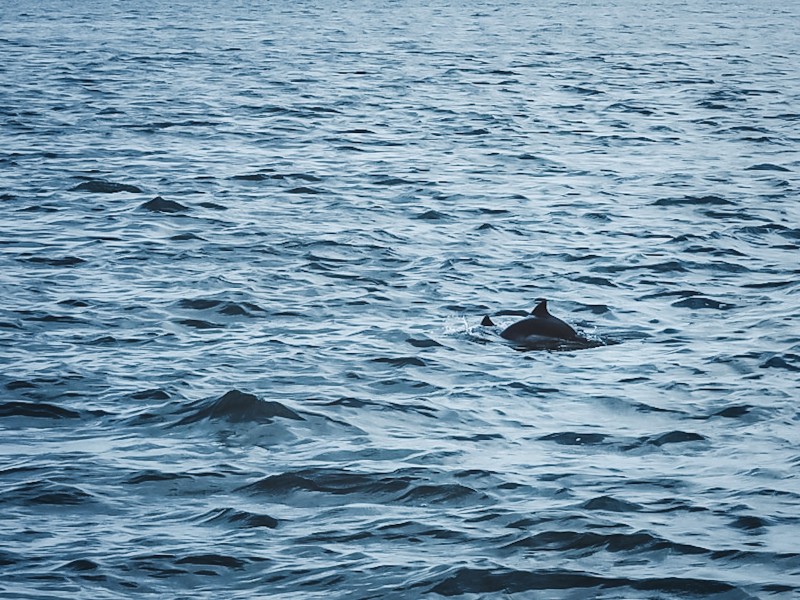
x: 539, y: 329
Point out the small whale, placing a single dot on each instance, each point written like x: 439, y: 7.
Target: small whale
x: 539, y: 330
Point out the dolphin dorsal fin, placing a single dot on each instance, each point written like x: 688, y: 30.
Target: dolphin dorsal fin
x: 487, y: 322
x: 541, y: 309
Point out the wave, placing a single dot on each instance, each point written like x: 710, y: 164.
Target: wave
x: 467, y: 580
x: 398, y: 487
x: 47, y: 492
x: 239, y: 518
x: 237, y: 407
x: 38, y: 410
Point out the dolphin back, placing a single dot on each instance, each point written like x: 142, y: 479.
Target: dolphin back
x: 549, y: 327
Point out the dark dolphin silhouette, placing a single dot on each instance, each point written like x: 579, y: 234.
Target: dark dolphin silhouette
x: 539, y: 329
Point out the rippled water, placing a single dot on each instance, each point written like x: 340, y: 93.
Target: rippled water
x: 244, y: 257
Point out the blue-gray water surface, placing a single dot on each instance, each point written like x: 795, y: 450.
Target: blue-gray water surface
x: 246, y: 248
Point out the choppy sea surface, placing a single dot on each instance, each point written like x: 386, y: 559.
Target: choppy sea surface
x: 245, y: 249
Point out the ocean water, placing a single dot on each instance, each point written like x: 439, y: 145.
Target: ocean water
x: 244, y: 255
